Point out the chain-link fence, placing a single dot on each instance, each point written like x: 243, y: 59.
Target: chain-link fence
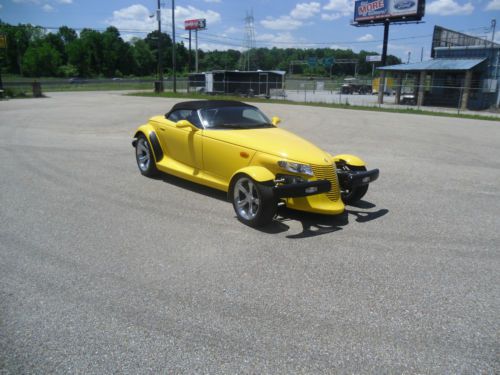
x: 355, y: 92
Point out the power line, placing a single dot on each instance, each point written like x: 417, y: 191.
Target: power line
x: 222, y: 39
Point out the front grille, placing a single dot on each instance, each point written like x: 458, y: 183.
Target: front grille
x: 328, y: 172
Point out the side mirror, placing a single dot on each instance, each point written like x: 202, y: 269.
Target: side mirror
x: 185, y: 124
x: 276, y: 120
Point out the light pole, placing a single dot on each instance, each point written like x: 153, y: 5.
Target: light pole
x: 173, y: 46
x: 159, y: 85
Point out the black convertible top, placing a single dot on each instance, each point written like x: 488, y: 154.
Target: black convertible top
x: 204, y: 104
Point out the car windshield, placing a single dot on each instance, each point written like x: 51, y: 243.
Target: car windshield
x: 234, y: 118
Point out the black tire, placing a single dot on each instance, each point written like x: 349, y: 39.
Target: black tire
x: 145, y: 157
x: 354, y: 195
x: 254, y: 203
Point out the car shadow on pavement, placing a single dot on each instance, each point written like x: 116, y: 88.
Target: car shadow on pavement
x: 312, y: 224
x: 316, y: 224
x: 191, y: 186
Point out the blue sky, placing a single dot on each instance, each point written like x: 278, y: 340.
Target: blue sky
x: 280, y: 23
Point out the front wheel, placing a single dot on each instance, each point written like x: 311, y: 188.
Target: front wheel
x: 254, y: 203
x: 350, y: 196
x: 145, y: 158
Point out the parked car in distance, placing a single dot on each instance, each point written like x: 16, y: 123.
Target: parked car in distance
x: 76, y: 80
x: 408, y: 98
x: 234, y: 147
x: 355, y: 86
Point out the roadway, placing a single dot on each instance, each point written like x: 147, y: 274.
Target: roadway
x: 105, y: 271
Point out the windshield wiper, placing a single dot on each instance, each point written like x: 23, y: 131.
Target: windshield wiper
x: 229, y: 126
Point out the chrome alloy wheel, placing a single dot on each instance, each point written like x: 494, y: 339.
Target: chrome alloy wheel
x: 143, y: 154
x: 246, y: 198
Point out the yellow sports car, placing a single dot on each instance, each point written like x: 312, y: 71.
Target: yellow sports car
x: 234, y: 147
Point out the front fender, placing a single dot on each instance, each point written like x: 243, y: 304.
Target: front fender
x: 350, y: 160
x: 259, y: 174
x: 150, y: 133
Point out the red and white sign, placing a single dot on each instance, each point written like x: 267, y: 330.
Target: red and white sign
x: 197, y: 24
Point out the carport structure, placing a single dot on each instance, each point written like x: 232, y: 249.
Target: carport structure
x: 445, y: 82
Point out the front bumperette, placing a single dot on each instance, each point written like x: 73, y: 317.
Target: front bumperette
x: 319, y: 204
x: 325, y: 200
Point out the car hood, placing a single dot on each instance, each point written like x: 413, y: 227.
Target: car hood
x: 274, y: 141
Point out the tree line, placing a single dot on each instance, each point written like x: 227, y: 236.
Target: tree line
x: 32, y: 51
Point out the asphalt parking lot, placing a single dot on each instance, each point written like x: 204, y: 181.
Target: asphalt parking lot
x: 105, y: 271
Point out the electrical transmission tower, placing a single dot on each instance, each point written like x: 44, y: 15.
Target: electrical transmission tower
x: 249, y: 43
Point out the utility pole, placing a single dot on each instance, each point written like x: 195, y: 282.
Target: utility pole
x: 173, y: 46
x: 189, y: 56
x: 493, y: 26
x: 386, y: 40
x: 381, y: 82
x: 3, y: 45
x: 159, y: 87
x: 196, y: 48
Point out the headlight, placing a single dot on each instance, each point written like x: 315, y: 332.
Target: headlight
x: 296, y: 167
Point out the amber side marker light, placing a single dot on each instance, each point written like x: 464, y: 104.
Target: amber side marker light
x: 244, y: 154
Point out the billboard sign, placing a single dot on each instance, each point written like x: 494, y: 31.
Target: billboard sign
x: 312, y: 61
x: 196, y: 24
x: 375, y: 11
x: 328, y: 61
x: 374, y: 58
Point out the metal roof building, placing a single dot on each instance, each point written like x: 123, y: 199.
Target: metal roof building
x: 465, y: 76
x: 436, y: 65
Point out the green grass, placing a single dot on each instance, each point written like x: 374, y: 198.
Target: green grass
x: 57, y: 87
x: 315, y: 104
x: 56, y: 84
x: 98, y: 87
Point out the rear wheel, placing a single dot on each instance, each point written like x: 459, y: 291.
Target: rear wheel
x: 144, y: 156
x: 254, y: 203
x: 350, y: 196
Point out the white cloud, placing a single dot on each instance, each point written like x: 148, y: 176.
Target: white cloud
x: 294, y: 19
x: 137, y: 17
x: 190, y: 12
x: 365, y: 38
x: 134, y: 17
x: 26, y: 1
x: 343, y: 7
x: 212, y: 1
x: 448, y: 8
x: 47, y: 8
x: 1, y: 6
x: 209, y: 46
x: 280, y: 39
x: 45, y: 5
x: 232, y: 30
x: 304, y: 11
x: 331, y: 17
x: 281, y: 23
x: 493, y: 5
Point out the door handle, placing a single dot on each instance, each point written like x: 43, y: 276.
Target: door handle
x: 162, y: 129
